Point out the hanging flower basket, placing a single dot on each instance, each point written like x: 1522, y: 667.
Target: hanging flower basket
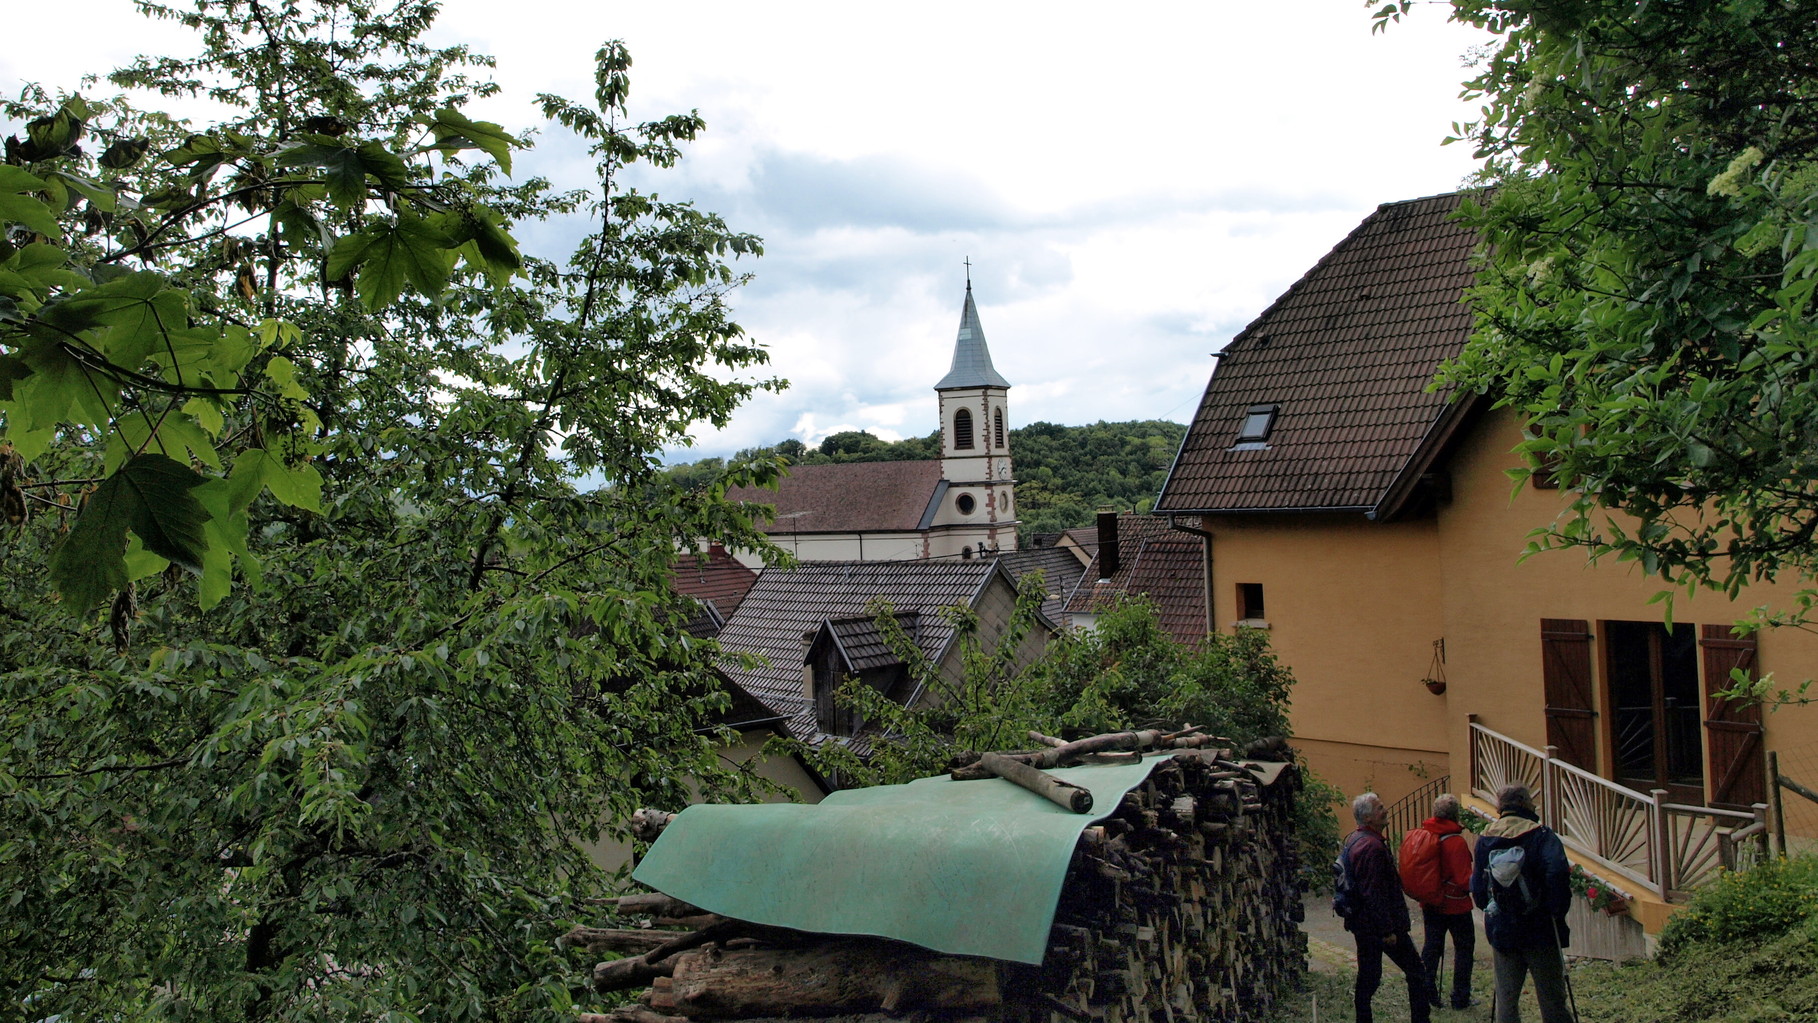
x: 1434, y: 685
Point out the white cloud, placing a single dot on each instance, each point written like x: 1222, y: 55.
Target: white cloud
x: 1132, y: 185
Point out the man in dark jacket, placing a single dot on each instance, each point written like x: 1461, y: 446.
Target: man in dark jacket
x: 1534, y: 940
x: 1379, y: 919
x: 1452, y: 913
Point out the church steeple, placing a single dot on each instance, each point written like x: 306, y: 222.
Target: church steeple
x: 971, y: 359
x: 979, y: 508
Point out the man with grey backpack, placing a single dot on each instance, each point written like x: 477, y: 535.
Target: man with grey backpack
x: 1522, y: 884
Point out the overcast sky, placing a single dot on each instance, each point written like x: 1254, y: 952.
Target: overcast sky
x: 1132, y: 185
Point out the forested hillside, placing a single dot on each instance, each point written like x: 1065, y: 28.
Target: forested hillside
x: 1063, y: 473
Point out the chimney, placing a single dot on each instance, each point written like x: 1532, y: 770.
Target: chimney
x: 1107, y: 545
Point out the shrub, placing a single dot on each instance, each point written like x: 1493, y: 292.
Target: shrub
x: 1758, y: 904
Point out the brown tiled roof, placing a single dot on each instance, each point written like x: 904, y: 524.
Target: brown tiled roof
x: 714, y: 577
x: 863, y: 645
x: 1346, y: 354
x: 1156, y: 561
x: 787, y: 606
x: 1060, y: 569
x: 849, y: 497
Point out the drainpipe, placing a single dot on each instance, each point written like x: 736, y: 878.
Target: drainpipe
x: 1206, y: 538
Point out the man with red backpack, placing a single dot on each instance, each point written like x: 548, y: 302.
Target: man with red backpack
x: 1435, y: 871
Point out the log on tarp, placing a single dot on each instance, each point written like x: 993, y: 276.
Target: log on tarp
x: 1074, y: 798
x: 838, y: 976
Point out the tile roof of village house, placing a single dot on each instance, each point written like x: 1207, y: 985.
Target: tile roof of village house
x: 847, y: 497
x: 786, y: 607
x: 1344, y: 356
x: 713, y: 576
x: 1158, y: 561
x: 1060, y: 569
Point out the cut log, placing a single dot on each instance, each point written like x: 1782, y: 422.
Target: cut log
x: 647, y: 824
x: 652, y: 904
x: 636, y: 940
x: 629, y: 1014
x: 1047, y: 786
x: 842, y: 976
x: 620, y: 974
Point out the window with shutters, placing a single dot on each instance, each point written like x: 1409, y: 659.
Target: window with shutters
x: 962, y: 429
x: 1656, y: 742
x: 997, y: 430
x: 1667, y: 725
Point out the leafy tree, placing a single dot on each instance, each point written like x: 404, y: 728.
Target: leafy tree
x: 1646, y: 297
x: 300, y: 345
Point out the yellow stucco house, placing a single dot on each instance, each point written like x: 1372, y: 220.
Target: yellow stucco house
x: 1367, y: 523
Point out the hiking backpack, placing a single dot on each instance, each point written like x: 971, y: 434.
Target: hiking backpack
x: 1509, y: 891
x: 1419, y: 866
x: 1344, y: 897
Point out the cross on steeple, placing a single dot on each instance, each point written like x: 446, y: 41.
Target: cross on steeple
x: 968, y: 262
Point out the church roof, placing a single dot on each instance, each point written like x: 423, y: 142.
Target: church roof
x: 848, y: 497
x: 971, y: 359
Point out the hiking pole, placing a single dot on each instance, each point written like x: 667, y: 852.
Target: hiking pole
x: 1564, y: 973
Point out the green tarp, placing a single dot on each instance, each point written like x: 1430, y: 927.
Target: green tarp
x: 963, y: 867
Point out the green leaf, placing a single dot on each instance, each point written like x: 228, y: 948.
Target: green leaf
x: 453, y: 130
x: 407, y: 251
x: 384, y: 165
x: 342, y: 167
x: 102, y: 195
x: 176, y: 436
x: 17, y: 207
x: 299, y: 486
x: 283, y: 373
x: 149, y: 495
x: 59, y: 389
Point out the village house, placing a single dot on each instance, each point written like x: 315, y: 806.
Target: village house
x: 1366, y: 520
x: 820, y: 623
x: 1141, y: 556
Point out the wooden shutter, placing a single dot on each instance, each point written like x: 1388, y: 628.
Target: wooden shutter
x: 1565, y: 646
x: 1733, y: 731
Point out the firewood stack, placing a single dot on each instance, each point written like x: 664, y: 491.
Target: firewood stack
x: 1182, y: 904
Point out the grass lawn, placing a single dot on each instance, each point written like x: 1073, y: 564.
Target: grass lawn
x: 1744, y: 982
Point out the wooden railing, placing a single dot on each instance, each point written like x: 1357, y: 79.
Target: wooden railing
x: 1667, y: 848
x: 1407, y: 813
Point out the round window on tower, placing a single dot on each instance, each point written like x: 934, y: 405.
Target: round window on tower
x: 965, y: 504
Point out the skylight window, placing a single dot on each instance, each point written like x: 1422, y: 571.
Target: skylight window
x: 1253, y: 434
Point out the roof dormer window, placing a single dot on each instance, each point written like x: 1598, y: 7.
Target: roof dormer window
x: 1254, y: 433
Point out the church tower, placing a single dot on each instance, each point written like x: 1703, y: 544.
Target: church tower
x: 979, y: 504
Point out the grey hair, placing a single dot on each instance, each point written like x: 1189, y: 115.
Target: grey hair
x: 1446, y: 807
x: 1514, y: 797
x: 1365, y: 806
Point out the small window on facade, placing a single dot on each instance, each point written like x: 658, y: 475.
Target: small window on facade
x: 965, y: 504
x: 1250, y: 602
x: 962, y: 429
x: 1258, y: 421
x: 997, y: 433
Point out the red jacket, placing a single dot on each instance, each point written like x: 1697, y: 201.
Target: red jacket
x: 1454, y: 866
